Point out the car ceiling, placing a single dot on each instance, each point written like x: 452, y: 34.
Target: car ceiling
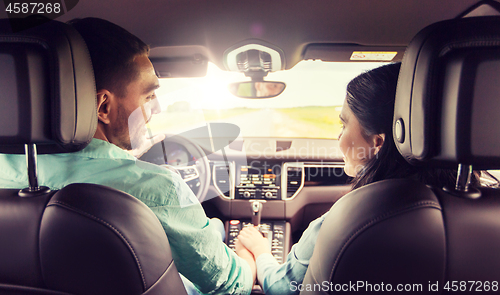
x: 289, y: 24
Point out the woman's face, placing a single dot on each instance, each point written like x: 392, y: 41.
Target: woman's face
x: 356, y: 148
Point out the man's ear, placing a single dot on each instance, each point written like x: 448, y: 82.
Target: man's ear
x: 378, y: 141
x: 104, y: 105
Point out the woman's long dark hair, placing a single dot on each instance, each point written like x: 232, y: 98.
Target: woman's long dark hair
x: 371, y: 96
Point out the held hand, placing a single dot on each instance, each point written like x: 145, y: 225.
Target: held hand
x: 247, y: 256
x: 242, y: 251
x: 253, y: 240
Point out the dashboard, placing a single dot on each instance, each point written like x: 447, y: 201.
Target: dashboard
x: 273, y: 180
x: 262, y: 177
x: 291, y: 182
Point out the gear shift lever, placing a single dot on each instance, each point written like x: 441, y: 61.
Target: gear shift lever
x: 256, y: 212
x: 256, y: 216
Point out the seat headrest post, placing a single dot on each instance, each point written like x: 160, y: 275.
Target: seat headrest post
x: 464, y: 174
x: 462, y: 187
x: 31, y: 165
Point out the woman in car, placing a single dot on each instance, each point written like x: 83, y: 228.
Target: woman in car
x: 370, y: 155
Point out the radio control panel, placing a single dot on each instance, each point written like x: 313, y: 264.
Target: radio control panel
x: 258, y: 183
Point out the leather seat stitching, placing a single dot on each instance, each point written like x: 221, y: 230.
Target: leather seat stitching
x: 428, y: 204
x: 110, y: 226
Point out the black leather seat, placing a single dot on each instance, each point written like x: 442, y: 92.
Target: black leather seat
x: 84, y: 238
x: 403, y: 233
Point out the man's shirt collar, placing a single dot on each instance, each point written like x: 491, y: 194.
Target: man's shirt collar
x: 98, y: 148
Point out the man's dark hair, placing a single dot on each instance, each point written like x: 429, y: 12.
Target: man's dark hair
x: 371, y: 97
x: 112, y: 50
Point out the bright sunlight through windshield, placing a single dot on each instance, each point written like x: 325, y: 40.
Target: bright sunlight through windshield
x: 308, y: 108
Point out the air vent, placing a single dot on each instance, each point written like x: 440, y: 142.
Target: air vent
x: 316, y: 175
x: 294, y: 181
x: 222, y: 179
x: 301, y: 174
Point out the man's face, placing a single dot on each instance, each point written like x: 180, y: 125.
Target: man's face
x: 135, y: 109
x: 268, y: 89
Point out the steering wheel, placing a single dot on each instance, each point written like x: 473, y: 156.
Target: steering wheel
x: 196, y: 172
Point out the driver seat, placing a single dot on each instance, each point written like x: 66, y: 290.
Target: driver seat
x: 398, y: 234
x: 84, y: 238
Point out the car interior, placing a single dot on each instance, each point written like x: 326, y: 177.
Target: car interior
x: 80, y: 239
x: 399, y: 230
x: 250, y: 94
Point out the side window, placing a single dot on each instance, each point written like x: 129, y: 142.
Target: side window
x: 490, y: 178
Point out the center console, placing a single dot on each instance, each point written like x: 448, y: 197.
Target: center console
x: 259, y: 182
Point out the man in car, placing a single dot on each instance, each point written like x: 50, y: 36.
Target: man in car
x: 126, y: 84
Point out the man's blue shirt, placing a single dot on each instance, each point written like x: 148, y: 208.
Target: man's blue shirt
x: 197, y: 249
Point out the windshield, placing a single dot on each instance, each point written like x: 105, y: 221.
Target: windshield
x: 309, y: 106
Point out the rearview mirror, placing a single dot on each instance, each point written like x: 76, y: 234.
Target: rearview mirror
x: 252, y: 89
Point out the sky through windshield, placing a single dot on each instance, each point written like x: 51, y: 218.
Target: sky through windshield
x: 308, y: 108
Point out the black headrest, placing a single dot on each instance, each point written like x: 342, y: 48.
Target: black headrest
x: 448, y: 96
x: 47, y: 89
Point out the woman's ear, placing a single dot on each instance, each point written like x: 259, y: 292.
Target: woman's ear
x: 378, y: 141
x: 103, y: 106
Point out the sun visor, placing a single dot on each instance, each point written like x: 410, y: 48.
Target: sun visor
x: 179, y: 61
x: 353, y: 52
